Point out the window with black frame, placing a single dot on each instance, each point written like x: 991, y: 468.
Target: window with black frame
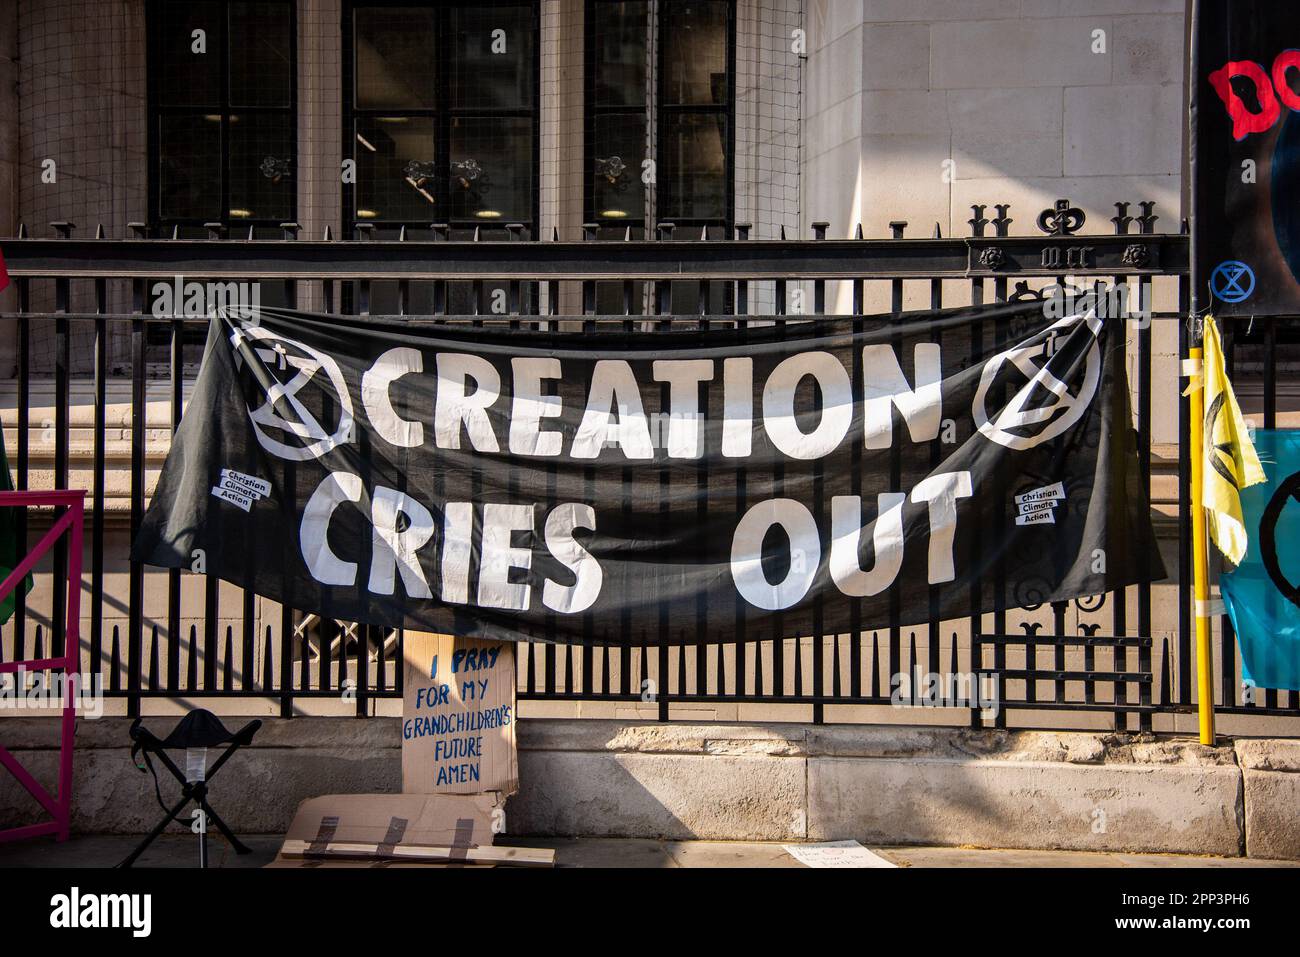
x: 442, y: 117
x: 660, y: 125
x: 222, y: 131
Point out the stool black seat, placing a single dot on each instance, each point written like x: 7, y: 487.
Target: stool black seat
x: 198, y: 729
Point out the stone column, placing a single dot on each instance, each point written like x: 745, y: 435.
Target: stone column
x: 320, y: 118
x: 8, y: 164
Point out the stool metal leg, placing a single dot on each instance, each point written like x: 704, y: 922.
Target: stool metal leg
x: 239, y: 846
x: 153, y: 835
x: 203, y: 836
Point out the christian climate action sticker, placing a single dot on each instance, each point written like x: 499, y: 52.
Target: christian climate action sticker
x: 615, y: 488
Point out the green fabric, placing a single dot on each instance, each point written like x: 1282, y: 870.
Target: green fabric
x: 12, y: 551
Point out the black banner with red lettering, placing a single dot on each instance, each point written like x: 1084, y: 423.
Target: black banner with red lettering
x: 623, y: 488
x: 1245, y: 147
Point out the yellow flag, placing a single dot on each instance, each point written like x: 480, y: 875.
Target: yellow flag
x: 1230, y: 460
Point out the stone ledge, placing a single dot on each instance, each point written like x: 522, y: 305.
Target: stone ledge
x: 651, y: 737
x: 867, y: 741
x: 895, y: 785
x: 673, y: 796
x: 964, y: 744
x: 1268, y: 754
x: 1272, y: 823
x: 1029, y: 804
x: 772, y: 740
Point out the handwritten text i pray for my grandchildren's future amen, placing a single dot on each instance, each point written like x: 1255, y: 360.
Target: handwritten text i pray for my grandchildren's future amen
x: 454, y: 720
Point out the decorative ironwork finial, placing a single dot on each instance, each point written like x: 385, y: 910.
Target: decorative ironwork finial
x: 1147, y: 221
x: 1062, y: 219
x: 1121, y: 219
x: 1002, y: 222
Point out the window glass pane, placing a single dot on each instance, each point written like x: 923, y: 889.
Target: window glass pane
x: 396, y: 172
x: 395, y: 62
x: 384, y: 296
x: 260, y: 54
x: 613, y: 231
x: 619, y: 142
x: 619, y: 35
x: 487, y: 232
x: 462, y: 300
x: 610, y: 299
x: 694, y: 37
x: 492, y: 168
x: 261, y: 167
x: 684, y: 298
x: 187, y: 78
x: 189, y: 167
x: 186, y: 232
x: 693, y: 177
x: 492, y: 61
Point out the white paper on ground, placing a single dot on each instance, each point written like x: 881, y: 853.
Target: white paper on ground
x: 836, y: 854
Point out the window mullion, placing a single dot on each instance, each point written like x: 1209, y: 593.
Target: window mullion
x: 442, y: 122
x: 653, y: 92
x: 223, y: 215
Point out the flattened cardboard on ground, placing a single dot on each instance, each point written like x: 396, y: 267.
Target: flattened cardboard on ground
x: 445, y: 856
x: 433, y: 819
x: 458, y: 715
x: 401, y: 830
x: 280, y: 862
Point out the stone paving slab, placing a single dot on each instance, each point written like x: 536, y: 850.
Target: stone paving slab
x: 179, y: 850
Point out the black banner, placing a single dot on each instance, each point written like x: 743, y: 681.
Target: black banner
x: 627, y: 488
x: 1246, y: 157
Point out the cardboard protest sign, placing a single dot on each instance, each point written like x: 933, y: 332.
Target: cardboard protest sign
x: 458, y: 715
x: 390, y: 821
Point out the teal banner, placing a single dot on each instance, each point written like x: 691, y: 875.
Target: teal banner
x: 1263, y: 593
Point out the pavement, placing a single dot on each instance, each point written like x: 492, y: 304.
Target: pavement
x: 181, y: 850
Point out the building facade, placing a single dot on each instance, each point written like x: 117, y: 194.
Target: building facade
x: 363, y: 121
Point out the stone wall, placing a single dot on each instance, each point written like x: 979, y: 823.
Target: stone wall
x: 917, y: 109
x: 779, y: 782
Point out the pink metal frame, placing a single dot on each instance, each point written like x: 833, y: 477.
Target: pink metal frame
x: 60, y: 806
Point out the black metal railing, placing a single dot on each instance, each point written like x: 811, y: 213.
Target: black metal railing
x: 83, y: 325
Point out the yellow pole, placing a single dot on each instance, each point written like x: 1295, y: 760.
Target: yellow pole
x: 1200, y: 571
